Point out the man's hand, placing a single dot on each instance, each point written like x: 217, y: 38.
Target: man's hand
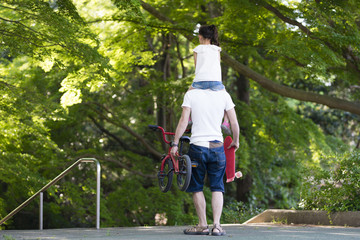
x: 180, y: 129
x: 174, y: 151
x: 235, y: 128
x: 234, y: 144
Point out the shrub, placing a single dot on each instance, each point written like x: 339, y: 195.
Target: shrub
x: 335, y: 186
x: 239, y: 212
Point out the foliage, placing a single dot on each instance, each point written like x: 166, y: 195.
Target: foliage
x: 8, y: 237
x: 274, y: 142
x: 27, y: 152
x: 139, y: 206
x: 335, y: 123
x: 239, y: 212
x: 334, y: 186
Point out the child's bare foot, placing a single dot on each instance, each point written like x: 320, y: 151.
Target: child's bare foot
x: 225, y: 126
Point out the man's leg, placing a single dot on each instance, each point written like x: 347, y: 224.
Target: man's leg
x: 217, y: 202
x: 200, y: 206
x: 216, y: 171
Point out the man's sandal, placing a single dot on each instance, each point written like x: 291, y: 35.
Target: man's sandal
x: 197, y: 230
x: 219, y: 228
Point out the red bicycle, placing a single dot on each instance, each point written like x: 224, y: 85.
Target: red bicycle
x: 180, y: 165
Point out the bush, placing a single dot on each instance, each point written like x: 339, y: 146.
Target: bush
x: 239, y: 212
x: 335, y: 186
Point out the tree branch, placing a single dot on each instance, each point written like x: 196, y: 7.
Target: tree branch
x: 287, y: 19
x: 142, y: 140
x: 10, y: 34
x: 347, y: 52
x: 153, y: 151
x: 32, y: 30
x: 270, y: 85
x: 164, y: 18
x: 120, y: 164
x: 180, y: 57
x: 19, y: 10
x: 7, y: 84
x: 102, y: 129
x: 156, y: 13
x: 286, y: 91
x: 141, y: 23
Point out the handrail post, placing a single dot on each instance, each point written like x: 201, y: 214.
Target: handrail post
x: 98, y: 178
x: 41, y: 211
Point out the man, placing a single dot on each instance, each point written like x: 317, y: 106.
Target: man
x: 207, y: 110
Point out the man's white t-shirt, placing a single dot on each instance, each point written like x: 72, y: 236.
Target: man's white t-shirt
x: 207, y: 63
x: 207, y: 112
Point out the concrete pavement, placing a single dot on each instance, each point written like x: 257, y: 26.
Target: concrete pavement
x: 234, y: 232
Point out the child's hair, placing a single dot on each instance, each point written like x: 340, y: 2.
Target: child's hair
x: 210, y: 32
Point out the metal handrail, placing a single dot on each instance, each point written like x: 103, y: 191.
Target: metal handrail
x: 52, y: 182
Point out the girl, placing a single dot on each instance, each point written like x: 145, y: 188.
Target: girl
x: 207, y: 65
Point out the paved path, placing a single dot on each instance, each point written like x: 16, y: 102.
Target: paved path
x: 234, y: 232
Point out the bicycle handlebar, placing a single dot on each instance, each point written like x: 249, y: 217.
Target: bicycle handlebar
x: 155, y: 127
x: 182, y: 139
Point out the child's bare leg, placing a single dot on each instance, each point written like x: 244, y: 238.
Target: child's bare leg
x: 226, y: 117
x: 225, y: 126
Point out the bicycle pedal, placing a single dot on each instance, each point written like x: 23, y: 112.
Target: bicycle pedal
x: 194, y: 164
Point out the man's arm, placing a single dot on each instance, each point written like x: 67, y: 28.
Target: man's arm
x: 195, y: 57
x: 234, y: 128
x: 181, y: 127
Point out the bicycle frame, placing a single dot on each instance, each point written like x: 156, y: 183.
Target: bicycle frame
x: 174, y: 161
x: 180, y: 164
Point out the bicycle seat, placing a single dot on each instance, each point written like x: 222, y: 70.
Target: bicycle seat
x: 185, y: 139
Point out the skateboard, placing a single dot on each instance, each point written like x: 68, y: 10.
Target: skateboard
x: 230, y: 160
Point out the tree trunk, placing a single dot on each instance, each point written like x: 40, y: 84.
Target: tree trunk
x: 242, y: 89
x: 243, y: 186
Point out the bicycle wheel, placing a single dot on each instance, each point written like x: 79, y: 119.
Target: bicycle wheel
x: 166, y: 176
x: 184, y: 175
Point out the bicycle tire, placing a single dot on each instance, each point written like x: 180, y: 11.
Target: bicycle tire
x: 184, y: 175
x: 165, y: 179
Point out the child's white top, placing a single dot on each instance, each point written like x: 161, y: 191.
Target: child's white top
x: 207, y: 63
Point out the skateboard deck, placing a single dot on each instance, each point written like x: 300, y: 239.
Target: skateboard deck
x: 230, y: 160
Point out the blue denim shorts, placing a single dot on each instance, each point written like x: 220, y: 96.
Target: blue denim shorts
x: 212, y: 85
x: 211, y: 161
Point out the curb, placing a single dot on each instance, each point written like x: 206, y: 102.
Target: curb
x: 351, y: 219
